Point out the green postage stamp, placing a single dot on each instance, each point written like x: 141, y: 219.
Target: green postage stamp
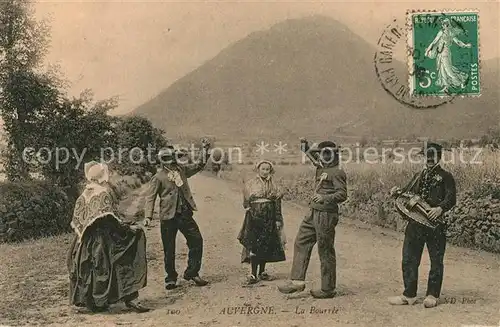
x: 444, y: 53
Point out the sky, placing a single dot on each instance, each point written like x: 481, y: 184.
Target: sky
x: 134, y: 50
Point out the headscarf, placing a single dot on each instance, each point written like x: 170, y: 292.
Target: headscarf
x: 96, y: 172
x: 260, y: 187
x: 257, y: 166
x: 96, y: 201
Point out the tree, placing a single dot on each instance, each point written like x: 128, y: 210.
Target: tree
x: 492, y: 137
x: 363, y: 141
x: 454, y: 142
x: 446, y: 144
x: 72, y: 132
x: 38, y: 114
x: 411, y: 138
x: 137, y: 139
x: 135, y: 131
x: 25, y: 90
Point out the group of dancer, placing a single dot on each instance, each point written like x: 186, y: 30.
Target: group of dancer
x: 107, y: 262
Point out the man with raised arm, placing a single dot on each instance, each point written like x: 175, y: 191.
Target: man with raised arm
x: 319, y: 225
x: 176, y: 212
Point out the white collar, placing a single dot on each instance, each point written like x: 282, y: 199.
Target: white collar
x: 171, y: 169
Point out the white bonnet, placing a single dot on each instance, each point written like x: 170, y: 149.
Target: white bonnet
x: 96, y: 172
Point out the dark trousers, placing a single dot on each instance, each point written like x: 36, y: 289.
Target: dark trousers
x: 317, y: 227
x: 416, y: 236
x: 184, y: 223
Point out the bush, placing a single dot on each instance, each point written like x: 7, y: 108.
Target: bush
x: 33, y: 209
x: 135, y: 138
x: 30, y: 210
x: 122, y: 185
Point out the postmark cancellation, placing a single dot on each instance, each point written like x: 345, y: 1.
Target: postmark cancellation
x: 443, y: 53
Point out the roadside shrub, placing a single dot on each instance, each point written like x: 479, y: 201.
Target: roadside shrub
x: 33, y: 209
x: 122, y: 185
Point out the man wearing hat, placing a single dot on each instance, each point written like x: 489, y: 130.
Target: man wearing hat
x: 319, y: 225
x: 436, y: 186
x: 176, y: 211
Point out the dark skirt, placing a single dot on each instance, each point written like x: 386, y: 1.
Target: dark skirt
x: 260, y: 235
x: 109, y: 266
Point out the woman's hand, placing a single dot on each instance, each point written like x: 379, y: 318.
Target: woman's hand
x: 279, y: 224
x: 135, y: 226
x: 273, y: 197
x: 428, y: 52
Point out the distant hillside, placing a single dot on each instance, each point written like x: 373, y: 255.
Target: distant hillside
x: 309, y: 76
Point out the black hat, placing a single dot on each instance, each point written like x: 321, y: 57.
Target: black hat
x: 431, y: 148
x: 325, y: 145
x: 168, y: 151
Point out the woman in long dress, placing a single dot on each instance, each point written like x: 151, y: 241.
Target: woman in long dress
x: 261, y: 233
x: 449, y: 76
x: 107, y: 260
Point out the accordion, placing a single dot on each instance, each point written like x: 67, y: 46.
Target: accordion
x: 413, y: 207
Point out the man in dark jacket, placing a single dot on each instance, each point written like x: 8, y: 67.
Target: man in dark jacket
x: 176, y: 212
x: 436, y: 186
x: 319, y: 225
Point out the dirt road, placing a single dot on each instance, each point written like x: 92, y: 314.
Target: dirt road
x: 368, y: 272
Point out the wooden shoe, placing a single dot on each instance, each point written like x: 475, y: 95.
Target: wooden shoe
x: 402, y: 300
x: 197, y: 280
x: 136, y: 306
x: 251, y: 280
x: 96, y: 309
x: 170, y: 285
x: 320, y: 294
x: 430, y: 301
x: 264, y: 276
x: 290, y: 287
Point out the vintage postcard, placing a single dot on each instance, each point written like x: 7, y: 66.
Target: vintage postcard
x: 249, y: 163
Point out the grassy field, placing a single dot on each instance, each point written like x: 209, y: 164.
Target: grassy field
x: 474, y: 222
x: 472, y: 169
